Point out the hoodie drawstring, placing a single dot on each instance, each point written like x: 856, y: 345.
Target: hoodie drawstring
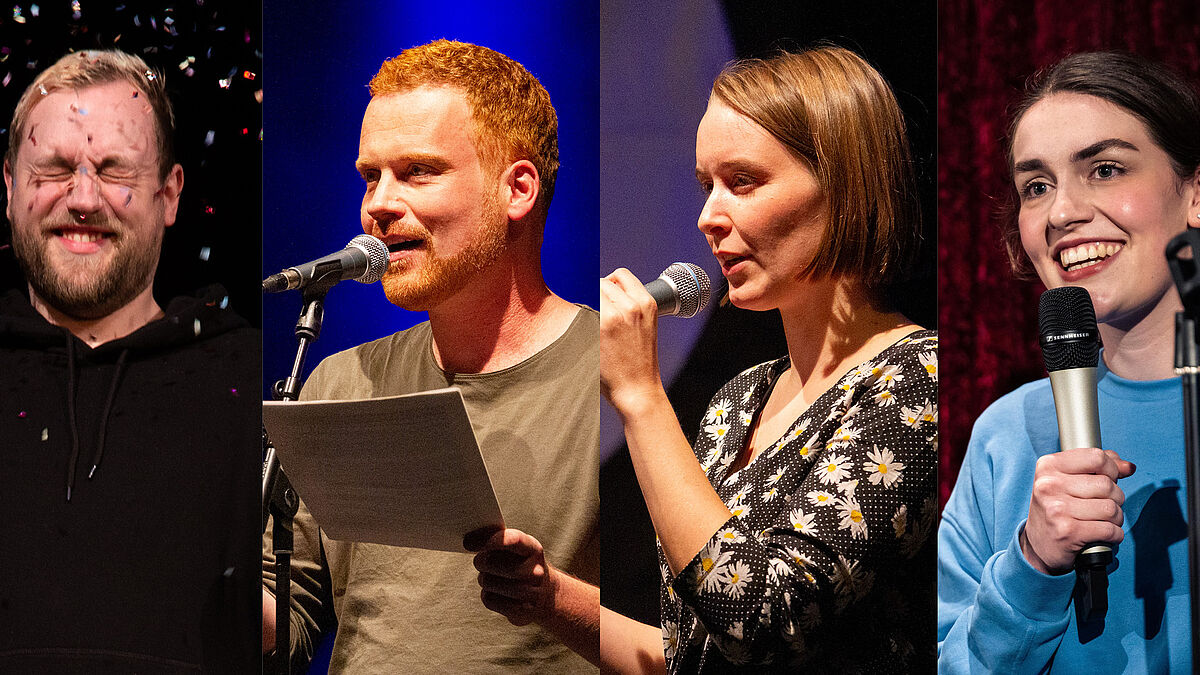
x: 112, y: 394
x: 72, y: 418
x: 71, y: 413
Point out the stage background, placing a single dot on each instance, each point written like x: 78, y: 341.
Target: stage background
x: 986, y: 50
x: 318, y: 60
x: 211, y: 56
x: 657, y: 67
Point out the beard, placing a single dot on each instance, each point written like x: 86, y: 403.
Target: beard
x: 87, y: 287
x: 438, y: 278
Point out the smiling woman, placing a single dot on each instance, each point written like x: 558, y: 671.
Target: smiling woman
x: 1105, y: 159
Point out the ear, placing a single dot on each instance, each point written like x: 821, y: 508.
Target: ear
x: 171, y: 188
x: 520, y: 186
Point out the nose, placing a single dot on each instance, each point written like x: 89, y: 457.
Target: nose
x: 83, y: 194
x: 714, y: 221
x: 383, y: 205
x: 1070, y: 206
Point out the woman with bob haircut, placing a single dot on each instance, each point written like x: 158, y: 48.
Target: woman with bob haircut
x: 1104, y: 152
x: 796, y: 531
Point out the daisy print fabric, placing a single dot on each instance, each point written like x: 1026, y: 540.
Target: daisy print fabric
x: 827, y: 559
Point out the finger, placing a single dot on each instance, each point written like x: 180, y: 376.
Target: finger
x: 475, y: 539
x: 1097, y: 510
x: 1082, y: 461
x: 1089, y: 486
x: 513, y: 541
x: 1125, y: 468
x: 517, y: 613
x: 1097, y: 531
x: 506, y: 564
x: 527, y: 590
x: 632, y: 286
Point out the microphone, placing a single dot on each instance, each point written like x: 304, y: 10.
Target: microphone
x: 1070, y: 344
x: 681, y: 290
x: 364, y: 259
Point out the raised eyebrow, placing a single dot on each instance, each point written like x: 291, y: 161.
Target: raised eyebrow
x: 1100, y: 146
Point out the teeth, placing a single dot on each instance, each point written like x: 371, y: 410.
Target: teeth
x: 82, y: 237
x: 1086, y: 255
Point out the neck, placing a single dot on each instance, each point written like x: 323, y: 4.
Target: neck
x: 503, y: 316
x: 1146, y: 350
x: 95, y: 332
x: 835, y: 328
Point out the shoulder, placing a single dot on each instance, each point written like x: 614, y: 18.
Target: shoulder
x: 337, y: 371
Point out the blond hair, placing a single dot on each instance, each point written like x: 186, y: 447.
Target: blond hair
x: 95, y: 67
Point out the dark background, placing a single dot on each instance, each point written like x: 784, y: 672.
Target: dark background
x: 220, y: 208
x: 899, y: 42
x: 986, y: 50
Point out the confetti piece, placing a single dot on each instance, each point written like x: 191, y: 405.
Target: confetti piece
x: 153, y: 23
x: 45, y: 433
x: 208, y: 210
x: 83, y: 111
x: 137, y: 20
x: 189, y: 72
x: 225, y: 302
x: 135, y: 94
x: 83, y: 171
x: 7, y: 79
x: 204, y: 253
x: 75, y: 12
x: 128, y: 196
x: 34, y: 10
x: 248, y: 75
x: 208, y: 138
x: 245, y: 131
x: 223, y: 83
x: 258, y: 96
x: 233, y: 390
x: 42, y: 89
x: 183, y: 64
x: 150, y: 75
x: 196, y: 326
x: 168, y: 21
x: 17, y: 14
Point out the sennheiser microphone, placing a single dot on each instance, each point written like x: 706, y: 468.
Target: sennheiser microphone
x: 681, y: 290
x: 1071, y: 349
x: 364, y: 259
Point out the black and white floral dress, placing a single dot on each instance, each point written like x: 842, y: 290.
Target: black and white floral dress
x: 827, y: 562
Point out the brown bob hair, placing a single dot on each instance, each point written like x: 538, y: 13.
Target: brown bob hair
x: 836, y: 113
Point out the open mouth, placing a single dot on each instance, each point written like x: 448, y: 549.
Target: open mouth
x: 1086, y: 255
x: 407, y: 245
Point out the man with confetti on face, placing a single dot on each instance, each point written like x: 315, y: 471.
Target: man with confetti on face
x: 458, y: 152
x: 128, y: 504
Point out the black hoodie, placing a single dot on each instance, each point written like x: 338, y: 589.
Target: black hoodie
x: 152, y: 566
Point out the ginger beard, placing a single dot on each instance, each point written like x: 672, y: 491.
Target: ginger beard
x: 87, y: 286
x: 420, y: 285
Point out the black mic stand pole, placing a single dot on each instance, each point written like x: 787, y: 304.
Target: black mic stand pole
x: 1186, y: 273
x: 279, y: 499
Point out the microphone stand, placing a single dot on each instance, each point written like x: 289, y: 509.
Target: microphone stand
x: 279, y: 500
x: 1186, y: 273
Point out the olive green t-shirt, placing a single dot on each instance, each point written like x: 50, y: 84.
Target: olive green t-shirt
x: 417, y: 611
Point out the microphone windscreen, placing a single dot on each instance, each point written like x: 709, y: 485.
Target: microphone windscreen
x: 377, y: 257
x: 1067, y: 329
x: 693, y: 287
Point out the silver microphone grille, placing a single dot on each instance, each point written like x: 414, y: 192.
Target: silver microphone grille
x: 693, y: 286
x: 377, y: 257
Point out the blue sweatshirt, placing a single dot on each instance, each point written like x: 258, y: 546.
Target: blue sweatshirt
x: 997, y: 614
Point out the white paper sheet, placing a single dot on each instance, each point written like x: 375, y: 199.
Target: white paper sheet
x: 402, y: 470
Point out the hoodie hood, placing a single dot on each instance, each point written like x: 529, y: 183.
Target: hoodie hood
x: 187, y: 319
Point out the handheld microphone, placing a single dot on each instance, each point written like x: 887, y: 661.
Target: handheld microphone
x: 1070, y: 344
x: 681, y: 290
x: 364, y: 259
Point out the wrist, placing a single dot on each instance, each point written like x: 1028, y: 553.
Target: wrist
x: 632, y: 403
x: 1036, y: 561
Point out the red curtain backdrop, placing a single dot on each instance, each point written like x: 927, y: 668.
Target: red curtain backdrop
x: 986, y: 50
